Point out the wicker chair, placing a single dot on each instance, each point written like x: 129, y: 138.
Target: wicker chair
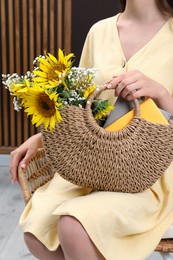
x: 39, y: 172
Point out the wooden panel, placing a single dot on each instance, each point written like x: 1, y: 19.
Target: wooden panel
x: 28, y: 28
x: 4, y: 101
x: 11, y: 65
x: 67, y: 22
x: 59, y: 24
x: 45, y: 24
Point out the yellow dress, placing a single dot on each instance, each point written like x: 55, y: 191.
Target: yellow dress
x: 122, y: 226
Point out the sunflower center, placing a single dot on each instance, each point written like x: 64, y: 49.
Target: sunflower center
x: 58, y: 67
x: 46, y: 106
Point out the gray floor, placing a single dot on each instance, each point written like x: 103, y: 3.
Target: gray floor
x: 12, y: 246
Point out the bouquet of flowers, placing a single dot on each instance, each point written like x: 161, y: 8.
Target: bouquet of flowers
x: 53, y: 84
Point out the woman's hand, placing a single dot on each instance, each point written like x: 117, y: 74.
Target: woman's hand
x: 23, y: 154
x: 134, y: 84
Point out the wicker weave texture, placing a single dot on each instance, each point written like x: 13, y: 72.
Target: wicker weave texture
x: 37, y: 173
x: 130, y: 160
x: 165, y: 245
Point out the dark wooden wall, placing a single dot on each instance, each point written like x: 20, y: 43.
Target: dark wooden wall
x: 84, y: 15
x: 27, y: 28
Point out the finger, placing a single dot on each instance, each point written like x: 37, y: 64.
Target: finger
x: 127, y: 85
x: 114, y: 83
x: 121, y: 81
x: 13, y: 173
x: 14, y: 162
x: 129, y: 89
x: 29, y: 154
x: 136, y: 94
x: 23, y: 161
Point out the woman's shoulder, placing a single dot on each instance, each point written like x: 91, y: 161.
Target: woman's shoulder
x: 105, y: 23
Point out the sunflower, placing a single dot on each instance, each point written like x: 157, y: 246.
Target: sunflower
x: 15, y: 87
x: 52, y: 71
x: 104, y: 112
x: 89, y: 90
x: 101, y: 108
x: 43, y: 106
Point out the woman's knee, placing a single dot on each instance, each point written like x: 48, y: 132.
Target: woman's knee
x: 71, y: 231
x: 39, y: 250
x: 75, y: 241
x: 33, y: 244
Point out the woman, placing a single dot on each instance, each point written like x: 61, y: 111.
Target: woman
x: 133, y: 50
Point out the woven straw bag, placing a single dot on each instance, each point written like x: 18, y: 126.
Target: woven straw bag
x: 130, y: 160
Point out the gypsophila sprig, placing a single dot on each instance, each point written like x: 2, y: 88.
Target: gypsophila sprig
x: 53, y: 84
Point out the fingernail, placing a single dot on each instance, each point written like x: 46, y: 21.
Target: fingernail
x: 109, y: 85
x: 23, y: 166
x: 12, y: 181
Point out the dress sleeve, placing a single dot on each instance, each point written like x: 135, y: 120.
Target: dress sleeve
x: 86, y: 59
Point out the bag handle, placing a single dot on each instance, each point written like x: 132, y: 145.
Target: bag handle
x: 98, y: 91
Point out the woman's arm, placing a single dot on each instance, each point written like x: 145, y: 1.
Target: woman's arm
x: 23, y: 154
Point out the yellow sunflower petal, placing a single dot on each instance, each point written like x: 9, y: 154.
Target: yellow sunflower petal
x: 60, y: 55
x: 69, y: 56
x: 52, y: 122
x: 54, y: 96
x: 53, y: 84
x: 49, y: 60
x: 53, y: 58
x: 30, y: 110
x: 39, y: 121
x: 45, y: 62
x: 36, y: 118
x: 39, y: 79
x: 27, y: 83
x: 46, y: 123
x: 44, y: 68
x: 40, y: 73
x: 23, y: 90
x: 58, y: 116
